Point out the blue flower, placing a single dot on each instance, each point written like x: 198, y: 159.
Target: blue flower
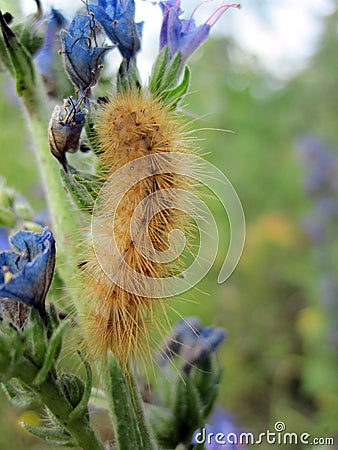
x: 26, y: 275
x: 83, y: 57
x: 117, y: 17
x: 45, y: 56
x: 193, y: 341
x: 182, y: 34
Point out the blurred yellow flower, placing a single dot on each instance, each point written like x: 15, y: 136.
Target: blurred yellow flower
x: 29, y: 417
x: 275, y: 228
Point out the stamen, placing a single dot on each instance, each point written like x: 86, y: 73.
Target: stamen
x: 7, y: 274
x: 197, y: 7
x: 219, y: 12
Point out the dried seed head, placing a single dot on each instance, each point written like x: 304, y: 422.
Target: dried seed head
x: 65, y: 129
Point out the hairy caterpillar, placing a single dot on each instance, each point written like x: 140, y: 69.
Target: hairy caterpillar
x: 131, y: 127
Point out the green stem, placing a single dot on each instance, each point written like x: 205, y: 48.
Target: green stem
x: 121, y: 408
x: 148, y: 438
x: 79, y: 427
x: 66, y: 219
x: 53, y: 398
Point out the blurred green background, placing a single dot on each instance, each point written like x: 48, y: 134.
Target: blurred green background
x: 279, y: 363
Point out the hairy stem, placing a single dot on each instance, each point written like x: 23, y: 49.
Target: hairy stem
x: 55, y: 401
x: 66, y: 220
x: 131, y: 427
x: 148, y: 439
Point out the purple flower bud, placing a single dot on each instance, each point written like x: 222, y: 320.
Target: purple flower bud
x: 194, y: 342
x: 117, y: 17
x: 83, y: 57
x: 182, y: 34
x: 26, y: 275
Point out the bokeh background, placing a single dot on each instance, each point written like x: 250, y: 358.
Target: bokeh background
x: 270, y: 76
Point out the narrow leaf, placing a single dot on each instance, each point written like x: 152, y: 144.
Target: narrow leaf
x: 171, y: 97
x: 158, y: 71
x: 78, y: 192
x: 7, y: 217
x: 173, y: 72
x: 82, y: 406
x: 22, y: 63
x: 51, y: 435
x: 53, y: 347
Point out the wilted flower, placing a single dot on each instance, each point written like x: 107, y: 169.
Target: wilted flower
x: 118, y: 20
x: 26, y: 275
x: 193, y: 341
x: 83, y: 57
x: 182, y: 34
x: 65, y: 129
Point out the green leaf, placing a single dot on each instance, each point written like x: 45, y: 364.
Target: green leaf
x: 187, y: 411
x: 56, y: 436
x: 52, y: 350
x: 7, y: 217
x: 128, y: 77
x: 78, y: 191
x: 22, y: 63
x: 36, y: 336
x: 206, y: 378
x: 53, y: 317
x: 72, y: 387
x: 161, y: 421
x: 4, y: 57
x: 92, y: 135
x: 171, y: 97
x: 31, y: 33
x: 87, y: 180
x: 19, y: 394
x: 7, y: 195
x: 172, y: 73
x: 158, y: 71
x: 82, y: 406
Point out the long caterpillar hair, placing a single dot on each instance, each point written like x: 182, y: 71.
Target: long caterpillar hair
x: 133, y: 218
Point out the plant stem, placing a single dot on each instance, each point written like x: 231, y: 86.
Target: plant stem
x: 127, y: 429
x: 148, y: 439
x: 65, y: 218
x: 53, y: 398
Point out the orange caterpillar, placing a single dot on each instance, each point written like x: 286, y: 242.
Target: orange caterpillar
x: 131, y: 126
